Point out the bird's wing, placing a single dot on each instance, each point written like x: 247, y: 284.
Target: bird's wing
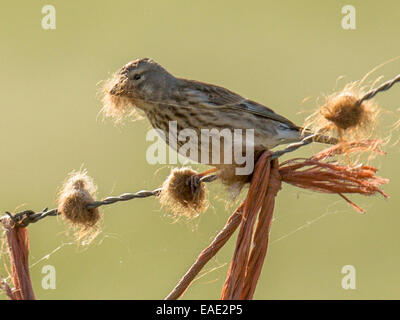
x: 214, y: 96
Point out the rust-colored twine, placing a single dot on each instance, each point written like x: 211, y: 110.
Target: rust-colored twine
x: 209, y: 252
x: 18, y: 247
x: 315, y: 174
x: 261, y: 235
x: 235, y: 280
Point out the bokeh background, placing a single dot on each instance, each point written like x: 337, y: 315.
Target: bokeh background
x: 277, y: 53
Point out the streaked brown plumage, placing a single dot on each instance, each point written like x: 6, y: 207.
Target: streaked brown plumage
x: 197, y: 105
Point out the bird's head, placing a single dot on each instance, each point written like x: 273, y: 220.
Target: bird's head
x: 141, y: 79
x: 139, y: 83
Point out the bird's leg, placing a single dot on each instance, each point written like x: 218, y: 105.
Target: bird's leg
x: 195, y: 180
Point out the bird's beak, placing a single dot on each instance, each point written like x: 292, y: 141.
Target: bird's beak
x: 118, y: 86
x: 116, y: 89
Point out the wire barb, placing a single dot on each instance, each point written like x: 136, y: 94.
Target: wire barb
x: 24, y: 218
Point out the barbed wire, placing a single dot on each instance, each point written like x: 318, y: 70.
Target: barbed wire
x: 24, y: 218
x: 308, y: 139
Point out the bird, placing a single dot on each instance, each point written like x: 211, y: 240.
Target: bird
x: 196, y: 105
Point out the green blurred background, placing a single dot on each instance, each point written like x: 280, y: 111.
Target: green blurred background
x: 277, y: 53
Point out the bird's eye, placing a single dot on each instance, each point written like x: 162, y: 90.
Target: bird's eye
x: 137, y: 76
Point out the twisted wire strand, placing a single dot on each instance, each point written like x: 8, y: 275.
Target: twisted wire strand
x: 124, y: 197
x: 383, y: 87
x: 24, y: 218
x: 294, y: 146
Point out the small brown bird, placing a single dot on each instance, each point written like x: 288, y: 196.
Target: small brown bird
x: 197, y: 105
